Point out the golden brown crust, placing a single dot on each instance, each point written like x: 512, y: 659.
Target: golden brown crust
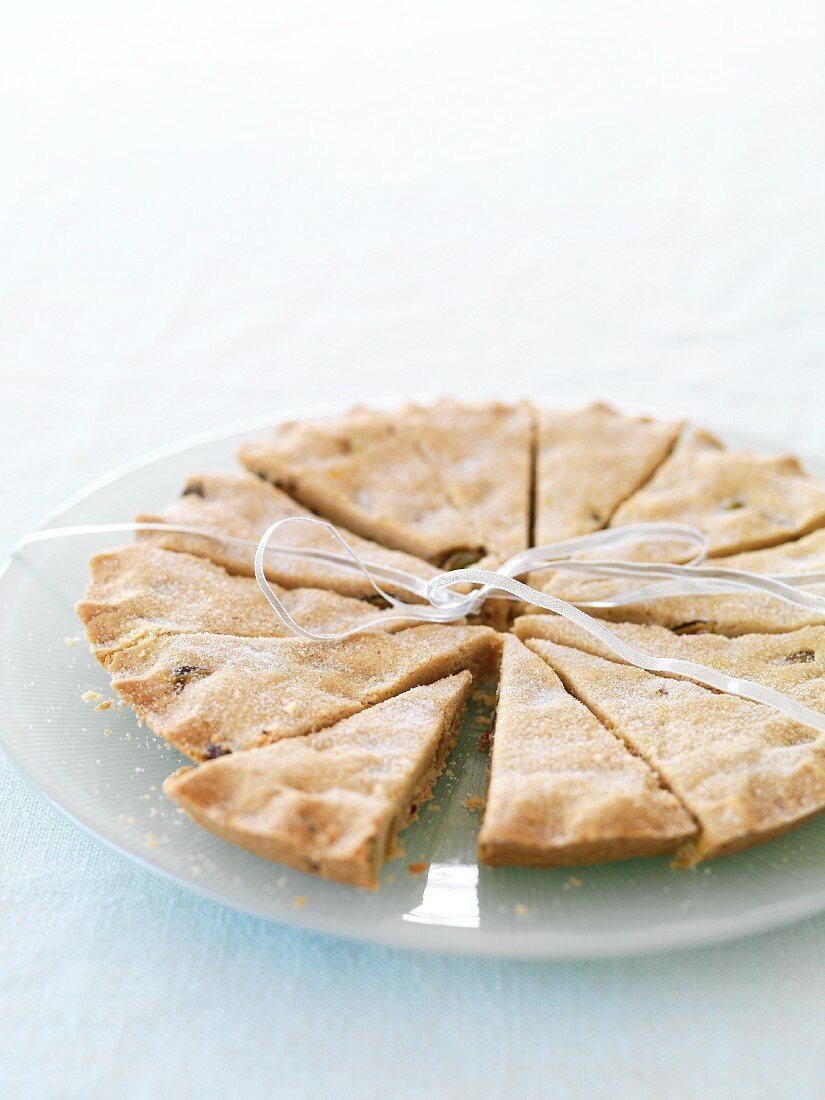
x: 563, y: 789
x: 244, y: 506
x: 194, y: 648
x: 730, y: 613
x: 588, y: 462
x: 208, y: 693
x: 793, y: 663
x: 330, y: 803
x: 745, y: 772
x: 339, y: 468
x: 743, y: 501
x: 140, y: 589
x: 483, y: 453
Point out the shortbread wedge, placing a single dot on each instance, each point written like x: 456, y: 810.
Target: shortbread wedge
x: 244, y: 506
x: 742, y: 501
x: 745, y: 772
x: 141, y: 589
x: 331, y: 803
x: 209, y: 694
x: 367, y: 471
x: 793, y: 663
x: 727, y: 613
x: 588, y: 462
x: 483, y: 453
x: 563, y: 789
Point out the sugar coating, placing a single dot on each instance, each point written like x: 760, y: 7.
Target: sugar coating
x: 329, y: 802
x: 207, y: 692
x: 483, y: 454
x: 598, y: 762
x: 744, y: 771
x: 340, y: 467
x: 730, y: 613
x: 589, y: 461
x: 141, y: 589
x: 244, y: 506
x: 743, y: 501
x: 562, y: 787
x: 793, y: 663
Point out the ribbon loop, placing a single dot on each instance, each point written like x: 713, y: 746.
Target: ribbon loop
x: 442, y: 604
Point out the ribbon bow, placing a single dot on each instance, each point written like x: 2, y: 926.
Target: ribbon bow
x: 441, y: 603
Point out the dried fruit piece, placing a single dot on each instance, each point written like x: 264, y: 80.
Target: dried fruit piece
x: 183, y: 676
x: 801, y: 657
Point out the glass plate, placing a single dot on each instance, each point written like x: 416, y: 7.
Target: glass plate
x: 105, y: 773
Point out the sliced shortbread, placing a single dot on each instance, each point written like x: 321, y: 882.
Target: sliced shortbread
x: 588, y: 462
x: 563, y: 789
x: 742, y: 501
x: 367, y: 471
x: 208, y: 694
x: 483, y: 453
x: 141, y: 589
x: 728, y: 613
x: 332, y: 802
x: 244, y: 506
x: 745, y: 772
x: 793, y: 663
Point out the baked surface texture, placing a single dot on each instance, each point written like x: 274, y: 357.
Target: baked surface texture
x: 589, y: 461
x: 331, y: 802
x: 243, y: 506
x: 140, y: 589
x: 745, y: 772
x: 209, y: 694
x: 315, y: 752
x: 793, y: 663
x: 368, y: 471
x: 741, y: 500
x: 563, y: 788
x: 728, y: 613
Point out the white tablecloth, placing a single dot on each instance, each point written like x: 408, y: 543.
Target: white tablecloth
x: 210, y: 211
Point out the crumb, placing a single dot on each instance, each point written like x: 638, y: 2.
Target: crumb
x: 107, y: 733
x: 107, y: 704
x: 449, y: 773
x: 151, y: 840
x: 520, y: 910
x: 389, y: 879
x: 485, y: 741
x: 434, y: 808
x: 90, y: 696
x: 70, y: 640
x: 299, y: 902
x: 474, y: 803
x: 574, y: 880
x: 417, y: 867
x: 480, y: 720
x: 121, y: 702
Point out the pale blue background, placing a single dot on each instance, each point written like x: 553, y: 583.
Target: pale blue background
x: 203, y: 216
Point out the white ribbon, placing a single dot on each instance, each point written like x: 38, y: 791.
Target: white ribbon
x: 442, y: 604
